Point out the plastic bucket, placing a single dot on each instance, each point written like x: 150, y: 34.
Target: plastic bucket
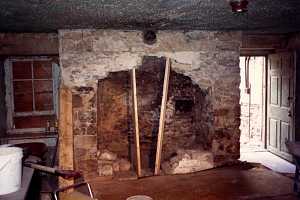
x: 139, y: 197
x: 5, y: 145
x: 10, y: 169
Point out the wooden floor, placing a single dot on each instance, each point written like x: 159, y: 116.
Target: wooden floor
x: 236, y: 182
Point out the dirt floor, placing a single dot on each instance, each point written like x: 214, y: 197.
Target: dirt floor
x: 228, y: 183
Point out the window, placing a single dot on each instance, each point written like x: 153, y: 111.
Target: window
x: 31, y: 94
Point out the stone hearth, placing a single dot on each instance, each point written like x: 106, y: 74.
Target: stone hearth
x: 188, y: 161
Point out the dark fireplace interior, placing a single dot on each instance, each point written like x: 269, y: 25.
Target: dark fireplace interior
x: 188, y: 121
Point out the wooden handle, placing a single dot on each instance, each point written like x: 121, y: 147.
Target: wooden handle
x: 66, y: 174
x: 40, y: 167
x: 162, y: 117
x: 136, y: 124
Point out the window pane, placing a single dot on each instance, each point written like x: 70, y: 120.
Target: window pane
x: 42, y: 69
x: 22, y: 70
x: 43, y: 102
x: 33, y: 121
x: 43, y: 95
x: 23, y: 96
x: 43, y: 86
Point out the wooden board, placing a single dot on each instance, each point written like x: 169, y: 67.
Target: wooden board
x: 162, y: 117
x: 136, y: 124
x: 65, y: 134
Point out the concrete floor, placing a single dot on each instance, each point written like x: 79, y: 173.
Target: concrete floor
x: 227, y: 183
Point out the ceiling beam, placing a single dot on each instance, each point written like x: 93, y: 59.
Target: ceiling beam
x: 264, y: 42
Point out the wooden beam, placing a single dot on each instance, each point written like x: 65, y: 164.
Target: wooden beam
x: 264, y: 41
x: 65, y: 134
x: 259, y: 52
x: 136, y: 125
x: 162, y: 117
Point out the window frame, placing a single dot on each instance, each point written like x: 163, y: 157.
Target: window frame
x: 10, y: 94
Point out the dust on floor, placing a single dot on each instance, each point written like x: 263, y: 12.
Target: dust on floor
x: 227, y: 183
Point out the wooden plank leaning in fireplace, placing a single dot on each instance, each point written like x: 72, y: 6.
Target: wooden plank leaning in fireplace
x: 162, y: 117
x: 136, y: 124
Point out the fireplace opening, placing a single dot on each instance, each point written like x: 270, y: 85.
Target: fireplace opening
x: 188, y: 123
x: 184, y: 105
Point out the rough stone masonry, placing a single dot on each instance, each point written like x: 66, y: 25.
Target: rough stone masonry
x: 210, y: 59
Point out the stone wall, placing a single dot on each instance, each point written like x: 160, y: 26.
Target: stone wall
x: 28, y: 44
x: 114, y: 121
x: 189, y: 116
x: 210, y: 59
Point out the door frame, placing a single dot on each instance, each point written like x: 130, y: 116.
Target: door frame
x: 265, y: 103
x: 297, y: 93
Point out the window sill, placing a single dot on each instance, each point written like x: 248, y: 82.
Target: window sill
x: 30, y: 135
x: 29, y: 130
x: 33, y: 113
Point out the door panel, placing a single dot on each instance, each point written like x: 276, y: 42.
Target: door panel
x: 280, y: 103
x: 285, y: 86
x: 274, y: 90
x: 285, y: 133
x: 273, y: 133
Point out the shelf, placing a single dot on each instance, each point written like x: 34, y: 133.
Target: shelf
x: 31, y: 135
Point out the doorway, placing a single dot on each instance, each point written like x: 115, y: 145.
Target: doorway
x: 266, y: 92
x: 252, y: 102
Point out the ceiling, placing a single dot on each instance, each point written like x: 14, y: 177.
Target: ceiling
x: 267, y: 16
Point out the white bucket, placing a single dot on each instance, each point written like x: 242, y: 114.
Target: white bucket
x: 10, y: 169
x: 139, y: 197
x: 5, y: 145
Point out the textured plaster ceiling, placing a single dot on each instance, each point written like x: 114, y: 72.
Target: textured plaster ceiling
x: 280, y: 16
